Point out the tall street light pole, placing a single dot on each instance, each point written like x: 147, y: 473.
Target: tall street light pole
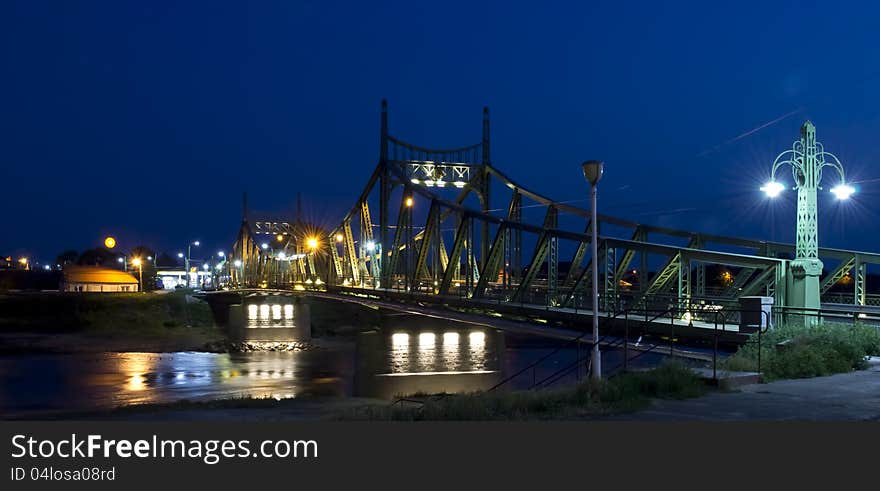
x: 807, y: 158
x: 186, y: 262
x: 137, y: 262
x: 593, y: 173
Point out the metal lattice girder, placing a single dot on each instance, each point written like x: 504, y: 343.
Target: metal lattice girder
x: 470, y: 256
x: 541, y: 250
x: 741, y: 278
x: 421, y: 266
x: 860, y: 278
x: 669, y: 271
x: 451, y: 266
x: 367, y: 238
x: 444, y: 257
x: 684, y: 283
x: 573, y: 270
x: 622, y: 267
x: 700, y: 289
x: 492, y: 261
x: 311, y: 259
x: 351, y: 253
x: 581, y: 282
x: 837, y: 274
x: 337, y: 261
x: 551, y: 221
x: 609, y: 274
x: 391, y: 268
x: 514, y: 214
x: 761, y: 280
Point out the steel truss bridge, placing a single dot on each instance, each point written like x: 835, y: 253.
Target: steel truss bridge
x: 424, y: 225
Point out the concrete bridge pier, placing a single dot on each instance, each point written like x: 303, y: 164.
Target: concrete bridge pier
x: 249, y: 320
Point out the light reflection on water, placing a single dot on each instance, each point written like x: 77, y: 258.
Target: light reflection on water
x: 380, y: 364
x: 422, y: 353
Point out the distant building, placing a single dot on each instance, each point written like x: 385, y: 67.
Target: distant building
x: 174, y: 278
x: 97, y: 279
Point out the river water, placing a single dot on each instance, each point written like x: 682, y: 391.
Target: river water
x: 410, y: 355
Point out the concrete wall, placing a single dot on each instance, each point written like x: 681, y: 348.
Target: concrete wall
x: 256, y: 320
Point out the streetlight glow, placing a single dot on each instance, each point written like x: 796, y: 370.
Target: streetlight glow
x: 196, y: 243
x: 338, y: 237
x: 221, y: 254
x: 136, y: 261
x: 265, y: 246
x: 312, y: 243
x: 842, y: 191
x: 772, y: 189
x: 409, y: 202
x: 237, y: 263
x: 180, y: 255
x: 371, y: 246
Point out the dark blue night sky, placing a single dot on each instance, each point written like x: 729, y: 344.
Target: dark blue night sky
x: 146, y: 120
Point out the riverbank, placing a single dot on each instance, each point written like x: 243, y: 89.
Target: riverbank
x: 625, y: 393
x: 53, y: 322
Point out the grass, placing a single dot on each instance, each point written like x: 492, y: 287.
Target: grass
x: 111, y: 321
x: 792, y: 351
x: 623, y: 393
x: 97, y: 313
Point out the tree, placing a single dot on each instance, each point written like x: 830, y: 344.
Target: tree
x: 166, y: 261
x: 148, y: 268
x: 69, y: 256
x: 143, y: 252
x: 97, y: 257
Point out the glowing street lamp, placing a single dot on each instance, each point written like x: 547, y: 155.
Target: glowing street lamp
x: 312, y: 243
x: 137, y: 262
x: 187, y: 259
x: 807, y: 158
x: 772, y: 189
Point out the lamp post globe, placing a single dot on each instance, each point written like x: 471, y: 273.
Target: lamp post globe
x: 593, y: 170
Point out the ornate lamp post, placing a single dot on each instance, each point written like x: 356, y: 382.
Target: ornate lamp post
x: 593, y: 170
x: 807, y: 158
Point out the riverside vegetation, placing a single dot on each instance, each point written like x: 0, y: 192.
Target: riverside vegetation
x: 104, y: 322
x: 792, y: 351
x: 625, y: 392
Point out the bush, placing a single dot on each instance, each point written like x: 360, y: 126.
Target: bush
x: 793, y: 351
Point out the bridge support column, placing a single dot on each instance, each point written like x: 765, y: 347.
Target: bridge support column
x: 803, y: 288
x: 302, y: 319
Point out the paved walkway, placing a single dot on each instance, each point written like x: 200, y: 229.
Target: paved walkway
x: 848, y: 396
